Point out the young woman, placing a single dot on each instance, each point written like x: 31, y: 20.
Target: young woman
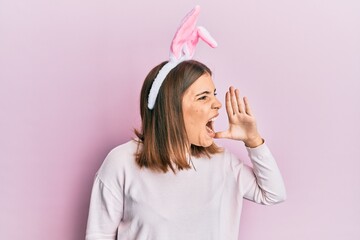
x: 172, y: 182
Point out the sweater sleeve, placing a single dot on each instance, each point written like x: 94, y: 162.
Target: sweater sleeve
x: 105, y: 212
x: 263, y: 182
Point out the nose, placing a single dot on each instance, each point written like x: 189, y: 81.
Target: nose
x: 216, y: 104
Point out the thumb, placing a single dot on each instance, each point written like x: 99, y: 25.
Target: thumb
x: 224, y: 134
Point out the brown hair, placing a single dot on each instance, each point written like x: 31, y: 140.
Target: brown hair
x: 163, y: 140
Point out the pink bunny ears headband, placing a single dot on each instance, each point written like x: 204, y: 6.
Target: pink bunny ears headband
x: 182, y: 48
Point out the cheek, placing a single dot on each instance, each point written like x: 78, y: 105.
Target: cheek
x: 197, y: 125
x: 192, y: 121
x: 195, y: 117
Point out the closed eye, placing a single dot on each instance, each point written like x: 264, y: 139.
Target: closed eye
x: 202, y: 98
x: 204, y: 95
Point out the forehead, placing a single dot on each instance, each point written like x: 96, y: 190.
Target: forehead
x: 202, y: 84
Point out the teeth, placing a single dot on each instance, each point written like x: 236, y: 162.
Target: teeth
x: 209, y: 129
x: 213, y: 119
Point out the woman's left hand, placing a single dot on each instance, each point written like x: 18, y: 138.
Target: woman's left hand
x: 242, y: 123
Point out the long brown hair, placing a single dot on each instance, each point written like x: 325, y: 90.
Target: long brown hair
x: 163, y: 141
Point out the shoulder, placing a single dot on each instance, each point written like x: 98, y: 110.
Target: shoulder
x: 225, y: 155
x: 225, y: 158
x: 118, y: 160
x: 122, y: 151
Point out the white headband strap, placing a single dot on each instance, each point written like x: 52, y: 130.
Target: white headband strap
x: 182, y: 48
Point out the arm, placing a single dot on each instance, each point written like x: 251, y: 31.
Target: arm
x: 106, y: 204
x: 262, y: 183
x: 105, y: 213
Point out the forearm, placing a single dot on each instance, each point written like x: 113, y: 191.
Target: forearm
x: 268, y: 186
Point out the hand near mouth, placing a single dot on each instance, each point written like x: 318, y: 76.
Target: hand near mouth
x: 242, y: 123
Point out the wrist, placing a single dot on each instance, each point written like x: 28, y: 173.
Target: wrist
x: 254, y: 142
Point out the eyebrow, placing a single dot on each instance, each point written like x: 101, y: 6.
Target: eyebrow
x: 205, y: 92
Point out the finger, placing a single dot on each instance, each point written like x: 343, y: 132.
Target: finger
x: 234, y: 103
x: 239, y: 101
x: 247, y: 106
x: 229, y: 109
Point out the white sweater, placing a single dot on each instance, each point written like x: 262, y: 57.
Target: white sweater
x: 132, y: 203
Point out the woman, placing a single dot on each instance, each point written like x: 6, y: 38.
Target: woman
x: 172, y: 182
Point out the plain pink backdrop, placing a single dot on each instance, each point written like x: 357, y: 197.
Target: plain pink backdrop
x: 70, y: 77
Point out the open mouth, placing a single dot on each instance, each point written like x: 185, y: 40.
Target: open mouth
x: 210, y: 127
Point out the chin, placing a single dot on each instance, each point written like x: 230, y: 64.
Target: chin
x: 205, y: 144
x: 205, y: 141
x: 202, y: 145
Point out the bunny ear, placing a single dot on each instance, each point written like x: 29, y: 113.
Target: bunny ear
x: 206, y: 37
x: 190, y: 45
x: 182, y: 48
x: 184, y: 33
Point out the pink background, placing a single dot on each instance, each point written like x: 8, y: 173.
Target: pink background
x: 70, y: 77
